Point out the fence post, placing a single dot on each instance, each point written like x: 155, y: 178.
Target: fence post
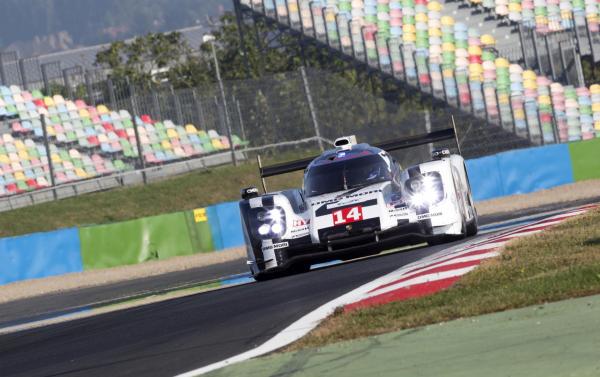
x: 139, y: 148
x: 48, y: 156
x: 522, y: 43
x: 178, y: 110
x: 2, y: 71
x: 536, y: 51
x: 132, y: 102
x: 45, y: 79
x: 575, y: 28
x: 111, y: 93
x: 239, y: 111
x: 24, y: 78
x: 90, y: 89
x: 155, y: 111
x: 589, y: 37
x: 311, y: 107
x: 199, y: 109
x: 578, y: 68
x: 563, y: 62
x: 67, y: 82
x: 550, y: 58
x: 498, y: 108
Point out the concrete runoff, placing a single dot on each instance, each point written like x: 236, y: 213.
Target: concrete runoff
x: 557, y: 339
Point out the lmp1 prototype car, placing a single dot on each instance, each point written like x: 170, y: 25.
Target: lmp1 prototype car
x: 356, y: 201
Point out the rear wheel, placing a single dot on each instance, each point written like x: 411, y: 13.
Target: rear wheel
x: 473, y: 225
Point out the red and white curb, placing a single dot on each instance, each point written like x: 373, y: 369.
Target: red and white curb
x: 426, y: 276
x: 438, y: 272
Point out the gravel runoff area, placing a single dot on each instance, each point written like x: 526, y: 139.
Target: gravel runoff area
x: 37, y: 287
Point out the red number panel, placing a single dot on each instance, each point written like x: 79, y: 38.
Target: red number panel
x: 347, y: 215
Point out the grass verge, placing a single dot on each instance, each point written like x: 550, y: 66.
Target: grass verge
x: 185, y: 192
x: 560, y: 263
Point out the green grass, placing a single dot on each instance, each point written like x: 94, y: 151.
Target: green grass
x: 561, y: 263
x: 180, y: 193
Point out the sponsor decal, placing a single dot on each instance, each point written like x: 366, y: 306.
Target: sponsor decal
x: 345, y: 196
x: 339, y: 204
x: 200, y: 215
x: 276, y: 246
x: 428, y: 215
x: 399, y: 212
x: 347, y: 215
x: 300, y: 222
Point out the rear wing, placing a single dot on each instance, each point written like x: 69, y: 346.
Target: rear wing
x: 389, y: 146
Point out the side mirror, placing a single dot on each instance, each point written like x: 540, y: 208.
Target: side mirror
x: 250, y: 192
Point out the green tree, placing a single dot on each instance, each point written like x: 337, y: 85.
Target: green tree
x: 146, y: 59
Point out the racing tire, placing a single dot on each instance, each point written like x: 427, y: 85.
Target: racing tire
x: 472, y: 228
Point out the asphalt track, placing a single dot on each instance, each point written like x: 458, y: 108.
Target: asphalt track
x: 174, y: 336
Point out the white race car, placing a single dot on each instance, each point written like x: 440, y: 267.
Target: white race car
x: 356, y: 201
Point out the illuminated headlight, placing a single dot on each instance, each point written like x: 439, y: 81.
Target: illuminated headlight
x: 264, y: 229
x: 269, y: 223
x: 425, y: 190
x: 277, y: 228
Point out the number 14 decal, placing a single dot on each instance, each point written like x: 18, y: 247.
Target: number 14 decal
x: 347, y: 215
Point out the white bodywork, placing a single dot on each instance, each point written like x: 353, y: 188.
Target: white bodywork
x: 383, y: 201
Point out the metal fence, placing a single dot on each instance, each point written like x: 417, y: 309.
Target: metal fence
x: 295, y: 112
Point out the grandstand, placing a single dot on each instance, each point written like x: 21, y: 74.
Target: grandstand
x: 421, y: 43
x: 86, y: 141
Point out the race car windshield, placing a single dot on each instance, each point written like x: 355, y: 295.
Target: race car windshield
x: 345, y: 175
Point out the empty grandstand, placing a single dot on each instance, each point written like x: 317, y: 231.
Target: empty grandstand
x: 86, y: 141
x: 421, y: 43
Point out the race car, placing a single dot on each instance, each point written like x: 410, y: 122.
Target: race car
x: 356, y: 200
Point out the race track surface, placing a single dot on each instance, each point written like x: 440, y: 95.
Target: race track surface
x: 174, y: 336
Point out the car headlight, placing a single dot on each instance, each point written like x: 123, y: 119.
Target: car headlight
x: 269, y: 223
x: 425, y: 190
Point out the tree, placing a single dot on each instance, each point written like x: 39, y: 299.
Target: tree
x: 146, y: 59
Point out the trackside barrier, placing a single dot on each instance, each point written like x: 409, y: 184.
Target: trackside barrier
x: 40, y: 255
x: 135, y: 241
x: 226, y: 225
x: 219, y: 227
x: 528, y: 170
x: 585, y: 158
x: 208, y: 229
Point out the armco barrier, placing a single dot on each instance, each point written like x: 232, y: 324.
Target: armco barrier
x: 39, y: 255
x: 520, y: 171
